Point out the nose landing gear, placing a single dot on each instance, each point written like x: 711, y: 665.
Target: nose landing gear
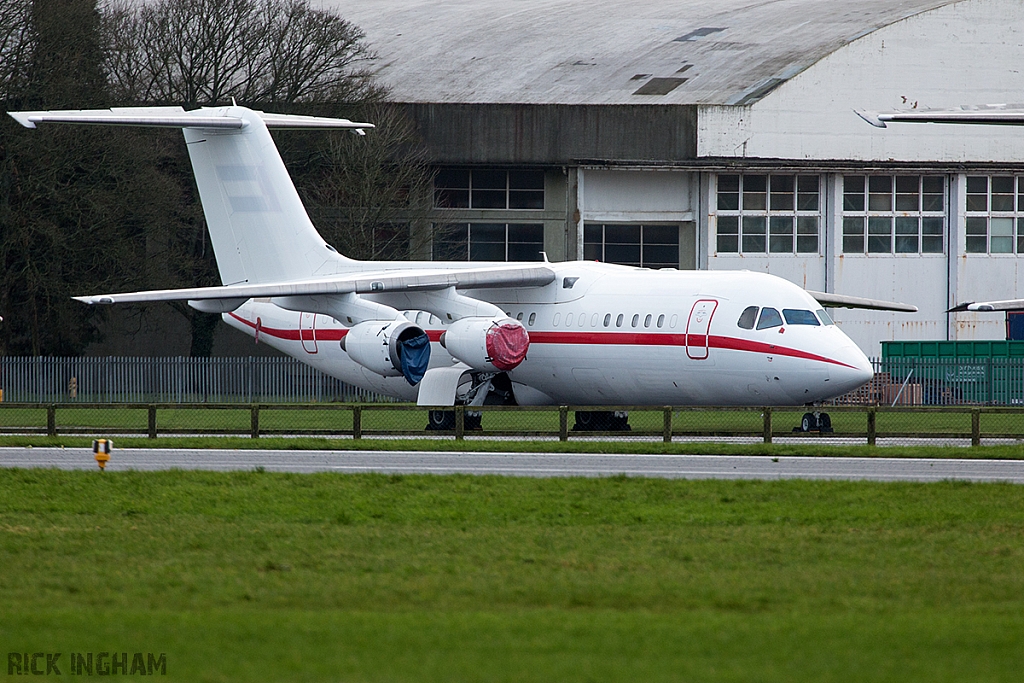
x: 815, y: 422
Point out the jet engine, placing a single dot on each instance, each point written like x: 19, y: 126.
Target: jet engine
x: 392, y: 348
x: 487, y: 344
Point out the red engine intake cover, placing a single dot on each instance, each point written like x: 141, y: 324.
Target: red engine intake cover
x: 507, y: 345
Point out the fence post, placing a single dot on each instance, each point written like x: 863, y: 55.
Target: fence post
x: 872, y: 431
x: 254, y: 421
x: 151, y: 410
x: 357, y: 422
x: 666, y: 428
x: 51, y: 420
x: 767, y: 425
x: 460, y: 422
x: 975, y: 427
x: 563, y: 423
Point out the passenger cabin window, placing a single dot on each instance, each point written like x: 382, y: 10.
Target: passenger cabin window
x: 824, y: 317
x: 533, y: 319
x: 747, y: 318
x: 647, y: 320
x: 769, y: 318
x: 636, y: 320
x: 795, y: 316
x: 607, y: 319
x: 618, y: 320
x: 661, y: 320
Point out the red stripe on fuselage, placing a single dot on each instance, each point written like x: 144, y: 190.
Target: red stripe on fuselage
x: 594, y: 338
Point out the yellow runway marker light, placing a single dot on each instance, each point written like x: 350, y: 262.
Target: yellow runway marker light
x: 101, y: 451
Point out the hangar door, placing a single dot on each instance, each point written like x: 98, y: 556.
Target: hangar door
x: 638, y: 217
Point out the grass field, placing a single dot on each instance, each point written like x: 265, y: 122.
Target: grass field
x: 260, y: 576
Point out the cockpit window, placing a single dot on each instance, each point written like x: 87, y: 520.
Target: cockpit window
x: 747, y: 318
x: 769, y: 318
x: 823, y: 316
x: 796, y: 316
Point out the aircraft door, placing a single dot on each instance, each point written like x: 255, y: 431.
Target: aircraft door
x: 697, y: 328
x: 307, y: 332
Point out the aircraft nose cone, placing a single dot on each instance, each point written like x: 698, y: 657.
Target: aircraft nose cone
x: 855, y: 371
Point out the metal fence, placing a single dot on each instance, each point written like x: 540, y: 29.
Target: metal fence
x: 116, y: 379
x: 897, y: 381
x: 849, y: 425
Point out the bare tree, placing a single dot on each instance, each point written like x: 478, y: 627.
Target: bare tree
x: 370, y: 197
x: 84, y: 211
x: 257, y: 51
x: 17, y: 36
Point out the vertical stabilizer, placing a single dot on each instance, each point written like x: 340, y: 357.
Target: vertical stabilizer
x: 259, y: 228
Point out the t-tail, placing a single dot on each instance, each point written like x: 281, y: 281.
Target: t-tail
x: 258, y: 226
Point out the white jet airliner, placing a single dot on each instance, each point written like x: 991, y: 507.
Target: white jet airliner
x: 447, y: 333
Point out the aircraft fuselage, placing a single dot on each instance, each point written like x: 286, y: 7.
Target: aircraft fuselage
x: 616, y: 335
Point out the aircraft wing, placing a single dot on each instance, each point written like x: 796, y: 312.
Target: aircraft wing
x: 841, y: 301
x: 356, y: 283
x: 989, y: 114
x: 1004, y: 305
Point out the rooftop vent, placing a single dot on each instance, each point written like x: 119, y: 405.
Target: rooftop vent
x: 698, y: 33
x: 660, y: 86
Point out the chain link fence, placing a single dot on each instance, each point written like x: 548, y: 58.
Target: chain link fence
x: 909, y: 401
x: 179, y: 379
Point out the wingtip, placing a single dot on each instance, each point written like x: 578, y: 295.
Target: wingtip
x: 22, y: 117
x: 871, y: 117
x: 93, y: 300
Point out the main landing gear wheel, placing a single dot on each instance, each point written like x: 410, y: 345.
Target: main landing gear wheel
x: 444, y: 420
x: 601, y: 421
x: 441, y: 420
x: 815, y: 422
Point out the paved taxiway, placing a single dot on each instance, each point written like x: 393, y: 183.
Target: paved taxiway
x: 528, y: 464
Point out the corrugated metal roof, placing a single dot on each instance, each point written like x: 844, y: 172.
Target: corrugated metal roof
x: 608, y: 51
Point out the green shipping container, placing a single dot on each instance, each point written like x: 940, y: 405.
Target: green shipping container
x: 959, y: 372
x: 953, y: 349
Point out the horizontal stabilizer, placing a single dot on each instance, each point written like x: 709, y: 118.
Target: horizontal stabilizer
x: 357, y: 283
x: 176, y: 117
x: 989, y: 114
x: 1004, y: 305
x: 841, y: 301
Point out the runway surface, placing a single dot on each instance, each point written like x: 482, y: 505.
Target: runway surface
x: 528, y: 464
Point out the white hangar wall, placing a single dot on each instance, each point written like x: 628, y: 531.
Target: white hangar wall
x: 966, y: 53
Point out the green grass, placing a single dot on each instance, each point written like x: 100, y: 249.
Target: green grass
x: 260, y: 576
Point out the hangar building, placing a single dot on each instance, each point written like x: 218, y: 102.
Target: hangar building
x: 722, y: 135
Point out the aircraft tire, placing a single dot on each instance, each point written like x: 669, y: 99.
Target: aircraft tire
x: 441, y: 420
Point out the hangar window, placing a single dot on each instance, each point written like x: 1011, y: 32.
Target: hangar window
x: 456, y: 188
x: 645, y: 246
x: 894, y: 214
x: 768, y: 214
x: 995, y: 214
x: 489, y: 242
